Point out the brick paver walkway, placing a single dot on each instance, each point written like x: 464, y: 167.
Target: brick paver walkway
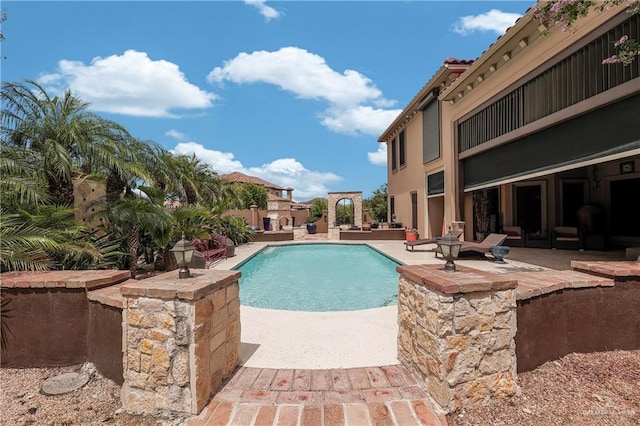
x: 356, y: 396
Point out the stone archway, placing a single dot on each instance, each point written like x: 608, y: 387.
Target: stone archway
x: 334, y: 197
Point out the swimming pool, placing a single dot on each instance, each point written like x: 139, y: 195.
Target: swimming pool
x: 318, y: 278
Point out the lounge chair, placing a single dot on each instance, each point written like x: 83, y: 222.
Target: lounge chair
x: 423, y: 241
x: 480, y: 248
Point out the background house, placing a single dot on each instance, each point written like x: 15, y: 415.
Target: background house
x: 282, y: 212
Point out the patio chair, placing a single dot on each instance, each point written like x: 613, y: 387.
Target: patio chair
x: 481, y: 248
x: 424, y: 241
x: 567, y: 237
x: 211, y: 252
x: 515, y: 236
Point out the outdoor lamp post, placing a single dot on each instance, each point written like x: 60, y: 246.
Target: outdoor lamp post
x: 450, y: 247
x: 183, y: 251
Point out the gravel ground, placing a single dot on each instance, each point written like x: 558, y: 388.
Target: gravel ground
x: 579, y: 389
x: 96, y: 403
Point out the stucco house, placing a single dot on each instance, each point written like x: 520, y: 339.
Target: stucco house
x: 541, y: 128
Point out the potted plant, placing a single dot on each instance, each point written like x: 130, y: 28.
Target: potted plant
x: 411, y: 234
x: 311, y: 225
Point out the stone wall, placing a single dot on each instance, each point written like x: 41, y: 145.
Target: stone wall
x: 181, y: 340
x: 299, y: 233
x: 456, y: 333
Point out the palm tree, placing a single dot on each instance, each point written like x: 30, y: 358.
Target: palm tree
x: 194, y: 182
x: 40, y: 239
x: 34, y: 235
x: 135, y: 216
x: 70, y: 139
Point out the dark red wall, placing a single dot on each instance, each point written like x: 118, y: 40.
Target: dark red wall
x: 273, y: 236
x: 48, y: 327
x: 577, y: 320
x: 60, y: 327
x: 374, y: 234
x: 105, y: 340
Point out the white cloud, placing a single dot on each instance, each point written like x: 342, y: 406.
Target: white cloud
x: 378, y: 158
x: 298, y: 71
x: 130, y: 84
x: 175, y: 134
x: 364, y: 119
x: 221, y: 162
x: 494, y: 20
x: 285, y: 172
x: 308, y: 76
x: 268, y: 12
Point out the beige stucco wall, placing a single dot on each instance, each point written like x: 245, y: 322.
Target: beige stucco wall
x: 86, y: 192
x: 409, y: 178
x: 530, y: 49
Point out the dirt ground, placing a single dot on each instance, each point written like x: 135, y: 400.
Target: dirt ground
x: 599, y: 389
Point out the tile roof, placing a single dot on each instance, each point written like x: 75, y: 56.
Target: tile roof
x: 272, y: 197
x: 446, y: 74
x: 241, y: 177
x: 454, y: 61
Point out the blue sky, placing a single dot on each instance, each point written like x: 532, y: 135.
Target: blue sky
x: 294, y: 92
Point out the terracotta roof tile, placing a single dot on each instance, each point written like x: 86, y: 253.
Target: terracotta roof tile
x: 272, y: 197
x: 241, y: 177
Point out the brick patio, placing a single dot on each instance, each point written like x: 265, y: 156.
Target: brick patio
x: 386, y: 395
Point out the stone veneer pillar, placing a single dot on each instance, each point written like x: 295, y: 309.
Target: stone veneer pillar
x: 181, y: 338
x: 299, y: 233
x: 456, y: 333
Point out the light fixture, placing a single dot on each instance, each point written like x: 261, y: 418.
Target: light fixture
x: 595, y: 176
x: 450, y: 247
x: 183, y: 251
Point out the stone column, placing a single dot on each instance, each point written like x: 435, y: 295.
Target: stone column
x: 299, y: 233
x: 181, y: 338
x: 456, y: 333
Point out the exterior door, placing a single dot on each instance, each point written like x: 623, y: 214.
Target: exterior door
x: 414, y: 210
x: 529, y: 208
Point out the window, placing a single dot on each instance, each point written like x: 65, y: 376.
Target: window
x: 394, y: 159
x: 403, y: 149
x: 576, y: 78
x: 430, y: 132
x: 392, y: 207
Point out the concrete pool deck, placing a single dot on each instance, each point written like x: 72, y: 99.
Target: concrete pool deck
x: 321, y: 340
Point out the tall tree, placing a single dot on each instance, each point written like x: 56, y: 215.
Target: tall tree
x: 377, y: 204
x: 250, y: 194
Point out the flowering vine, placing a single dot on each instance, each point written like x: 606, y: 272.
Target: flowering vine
x: 566, y: 12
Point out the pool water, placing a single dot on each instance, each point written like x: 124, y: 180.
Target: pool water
x: 318, y: 278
